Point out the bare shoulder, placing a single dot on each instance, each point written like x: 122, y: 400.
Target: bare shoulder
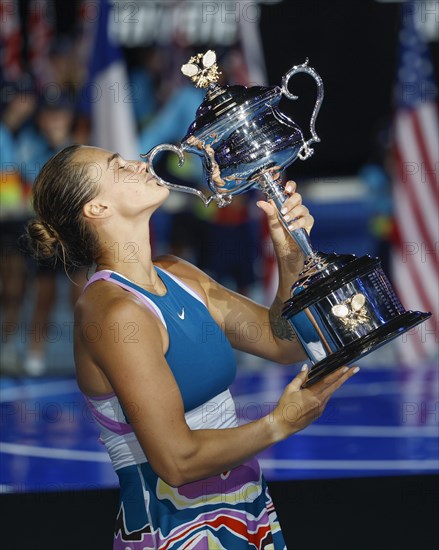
x: 217, y: 298
x: 177, y: 265
x: 187, y: 272
x: 111, y: 326
x: 103, y: 300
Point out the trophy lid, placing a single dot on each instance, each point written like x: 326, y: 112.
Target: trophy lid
x: 221, y: 102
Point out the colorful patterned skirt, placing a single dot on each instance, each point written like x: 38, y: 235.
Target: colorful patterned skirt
x: 230, y: 511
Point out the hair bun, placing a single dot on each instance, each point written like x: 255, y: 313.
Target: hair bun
x: 42, y: 240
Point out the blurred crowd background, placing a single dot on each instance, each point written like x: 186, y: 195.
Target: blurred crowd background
x: 108, y: 74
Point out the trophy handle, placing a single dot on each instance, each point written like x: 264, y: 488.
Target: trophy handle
x: 305, y: 150
x: 222, y: 200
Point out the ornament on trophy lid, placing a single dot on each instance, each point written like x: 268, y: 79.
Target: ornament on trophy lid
x: 202, y: 69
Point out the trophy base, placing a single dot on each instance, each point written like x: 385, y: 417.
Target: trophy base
x: 360, y: 348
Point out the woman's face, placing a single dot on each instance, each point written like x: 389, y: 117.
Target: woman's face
x: 125, y: 186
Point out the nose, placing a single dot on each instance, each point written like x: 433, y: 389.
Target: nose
x: 138, y: 166
x: 143, y: 166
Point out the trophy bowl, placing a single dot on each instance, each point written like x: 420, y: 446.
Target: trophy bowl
x: 341, y: 307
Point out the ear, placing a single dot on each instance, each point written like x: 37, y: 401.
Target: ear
x: 96, y: 210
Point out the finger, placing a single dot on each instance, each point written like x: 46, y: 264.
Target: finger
x: 268, y: 208
x: 289, y: 207
x: 275, y: 172
x: 293, y: 200
x: 290, y: 187
x: 300, y: 379
x: 338, y: 383
x: 300, y: 211
x: 301, y: 217
x: 330, y: 378
x: 297, y: 212
x: 337, y: 379
x: 274, y: 217
x: 305, y: 223
x: 290, y: 204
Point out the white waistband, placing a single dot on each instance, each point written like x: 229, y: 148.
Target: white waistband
x: 217, y: 413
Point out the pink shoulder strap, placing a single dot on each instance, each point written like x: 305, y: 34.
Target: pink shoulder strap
x: 105, y: 275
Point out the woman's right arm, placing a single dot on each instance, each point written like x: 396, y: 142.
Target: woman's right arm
x: 143, y: 381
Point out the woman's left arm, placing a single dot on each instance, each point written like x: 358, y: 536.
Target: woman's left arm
x: 290, y: 261
x: 251, y: 327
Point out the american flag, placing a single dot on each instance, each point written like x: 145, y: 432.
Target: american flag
x: 415, y: 190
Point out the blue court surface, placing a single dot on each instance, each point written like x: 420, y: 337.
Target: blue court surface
x: 383, y: 422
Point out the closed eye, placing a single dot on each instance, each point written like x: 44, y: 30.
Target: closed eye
x: 116, y: 162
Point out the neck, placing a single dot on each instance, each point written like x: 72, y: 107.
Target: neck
x: 130, y: 255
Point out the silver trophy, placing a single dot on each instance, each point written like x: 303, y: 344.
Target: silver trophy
x: 342, y: 307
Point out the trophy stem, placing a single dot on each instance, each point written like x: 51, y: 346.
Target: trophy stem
x: 275, y: 192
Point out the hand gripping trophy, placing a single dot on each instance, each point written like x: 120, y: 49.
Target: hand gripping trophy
x: 342, y: 307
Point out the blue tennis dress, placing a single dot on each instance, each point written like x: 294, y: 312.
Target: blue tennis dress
x: 230, y: 511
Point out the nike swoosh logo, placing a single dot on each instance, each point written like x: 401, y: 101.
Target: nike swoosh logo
x: 181, y: 315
